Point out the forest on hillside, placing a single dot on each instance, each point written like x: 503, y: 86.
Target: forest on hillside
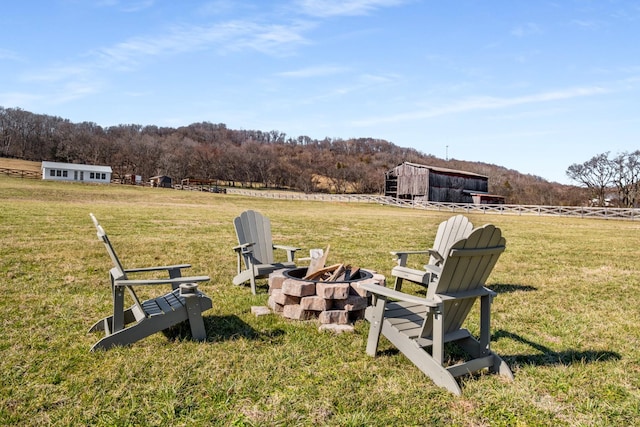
x: 272, y: 159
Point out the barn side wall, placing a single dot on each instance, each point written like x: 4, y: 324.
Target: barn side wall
x: 406, y: 181
x: 412, y: 181
x: 455, y: 188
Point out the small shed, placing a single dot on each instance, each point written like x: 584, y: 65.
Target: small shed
x: 76, y: 172
x: 435, y: 184
x: 132, y: 179
x: 161, y: 181
x: 487, y: 199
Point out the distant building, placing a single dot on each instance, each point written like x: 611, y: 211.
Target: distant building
x: 76, y: 172
x: 434, y: 184
x: 162, y: 181
x: 132, y: 179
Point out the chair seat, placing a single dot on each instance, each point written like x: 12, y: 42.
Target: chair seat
x: 168, y: 303
x: 270, y: 268
x: 411, y: 274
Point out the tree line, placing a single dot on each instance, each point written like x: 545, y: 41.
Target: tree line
x: 271, y: 159
x: 612, y: 181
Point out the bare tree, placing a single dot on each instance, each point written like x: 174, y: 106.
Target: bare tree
x: 596, y: 174
x: 626, y: 176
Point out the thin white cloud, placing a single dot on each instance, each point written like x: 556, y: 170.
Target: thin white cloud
x: 328, y: 8
x: 236, y: 35
x: 360, y: 83
x: 59, y: 94
x: 275, y: 40
x: 319, y: 71
x: 6, y: 54
x: 57, y: 74
x: 527, y: 29
x: 526, y: 57
x: 485, y: 103
x: 77, y: 89
x: 586, y: 24
x: 217, y: 7
x: 18, y: 99
x: 127, y: 6
x: 271, y: 39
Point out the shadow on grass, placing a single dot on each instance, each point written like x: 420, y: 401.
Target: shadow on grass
x: 550, y: 357
x: 222, y: 328
x: 546, y: 356
x: 500, y: 288
x: 503, y: 288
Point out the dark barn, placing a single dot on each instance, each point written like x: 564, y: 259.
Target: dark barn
x: 434, y: 184
x: 162, y: 181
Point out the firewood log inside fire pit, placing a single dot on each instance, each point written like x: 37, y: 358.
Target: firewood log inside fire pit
x: 333, y: 273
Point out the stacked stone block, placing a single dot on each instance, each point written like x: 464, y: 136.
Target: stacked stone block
x: 337, y: 303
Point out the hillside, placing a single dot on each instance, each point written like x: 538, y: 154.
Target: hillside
x: 269, y: 159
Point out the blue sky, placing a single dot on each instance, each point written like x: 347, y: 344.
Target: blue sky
x: 531, y: 85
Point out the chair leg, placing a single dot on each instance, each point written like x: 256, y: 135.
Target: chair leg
x: 194, y: 311
x: 397, y: 286
x: 501, y: 368
x: 106, y: 323
x: 117, y: 322
x: 437, y: 349
x: 485, y: 324
x: 253, y: 284
x: 195, y: 320
x: 376, y: 318
x: 422, y: 359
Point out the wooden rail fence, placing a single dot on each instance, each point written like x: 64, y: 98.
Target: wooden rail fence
x: 19, y: 173
x: 538, y: 210
x: 565, y: 211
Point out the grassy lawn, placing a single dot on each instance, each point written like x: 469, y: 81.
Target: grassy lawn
x: 566, y: 318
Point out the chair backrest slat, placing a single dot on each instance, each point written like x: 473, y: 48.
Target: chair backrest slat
x: 253, y: 227
x: 449, y: 232
x: 117, y: 272
x: 467, y: 268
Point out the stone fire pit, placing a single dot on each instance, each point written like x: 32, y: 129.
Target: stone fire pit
x: 331, y: 302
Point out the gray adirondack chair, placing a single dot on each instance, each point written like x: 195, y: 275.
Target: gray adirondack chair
x: 255, y: 250
x: 419, y: 327
x: 184, y: 303
x: 449, y: 231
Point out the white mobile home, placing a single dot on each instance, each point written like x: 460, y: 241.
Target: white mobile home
x: 75, y: 172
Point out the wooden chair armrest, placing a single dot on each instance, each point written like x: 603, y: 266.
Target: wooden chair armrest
x: 399, y: 296
x: 286, y: 248
x: 435, y: 269
x: 409, y: 252
x: 159, y: 268
x: 151, y: 282
x: 291, y: 251
x: 402, y: 256
x: 437, y: 255
x: 480, y: 292
x: 245, y: 247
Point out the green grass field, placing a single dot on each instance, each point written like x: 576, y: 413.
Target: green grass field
x: 566, y: 318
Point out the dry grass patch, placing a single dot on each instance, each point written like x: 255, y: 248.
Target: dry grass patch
x: 25, y: 165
